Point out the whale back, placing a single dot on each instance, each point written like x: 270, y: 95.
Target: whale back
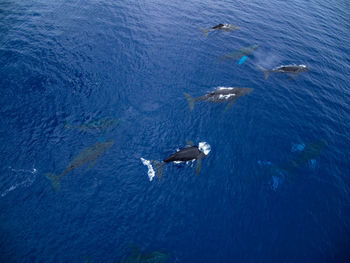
x: 184, y: 155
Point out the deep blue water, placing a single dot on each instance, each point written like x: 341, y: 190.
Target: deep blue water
x: 79, y: 61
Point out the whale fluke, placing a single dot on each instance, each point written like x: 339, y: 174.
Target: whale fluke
x: 266, y: 72
x: 55, y: 180
x: 159, y: 167
x: 190, y: 100
x: 205, y: 31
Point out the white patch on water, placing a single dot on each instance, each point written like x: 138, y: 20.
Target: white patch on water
x: 226, y: 96
x: 150, y: 172
x: 18, y: 178
x: 204, y: 147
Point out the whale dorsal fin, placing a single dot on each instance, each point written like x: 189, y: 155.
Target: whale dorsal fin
x: 190, y: 143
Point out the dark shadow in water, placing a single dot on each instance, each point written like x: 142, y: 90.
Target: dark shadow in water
x: 287, y: 170
x: 88, y: 155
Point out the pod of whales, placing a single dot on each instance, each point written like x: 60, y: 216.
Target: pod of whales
x: 221, y: 94
x: 288, y: 69
x: 223, y: 27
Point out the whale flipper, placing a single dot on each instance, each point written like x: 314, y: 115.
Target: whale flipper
x: 229, y: 105
x: 55, y: 180
x: 199, y: 165
x: 242, y: 60
x: 199, y: 162
x: 294, y: 75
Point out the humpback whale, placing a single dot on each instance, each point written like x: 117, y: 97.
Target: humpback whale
x: 288, y: 69
x: 224, y: 27
x: 190, y: 153
x: 241, y: 53
x: 287, y: 169
x: 94, y: 125
x: 221, y: 94
x: 89, y: 154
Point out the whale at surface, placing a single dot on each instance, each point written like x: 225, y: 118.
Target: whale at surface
x: 287, y: 69
x: 221, y: 94
x: 189, y: 153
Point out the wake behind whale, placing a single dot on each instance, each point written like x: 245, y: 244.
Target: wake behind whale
x: 15, y: 178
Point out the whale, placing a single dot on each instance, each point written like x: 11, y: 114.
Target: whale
x: 220, y: 94
x: 287, y: 169
x: 190, y: 152
x: 88, y: 155
x: 288, y: 69
x: 243, y: 52
x: 223, y: 27
x: 101, y: 124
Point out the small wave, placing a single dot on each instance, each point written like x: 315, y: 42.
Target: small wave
x: 150, y: 172
x: 22, y: 176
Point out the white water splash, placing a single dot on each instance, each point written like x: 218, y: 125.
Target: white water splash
x: 18, y: 178
x: 150, y: 171
x: 204, y: 147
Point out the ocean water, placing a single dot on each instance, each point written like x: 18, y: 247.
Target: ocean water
x: 76, y: 74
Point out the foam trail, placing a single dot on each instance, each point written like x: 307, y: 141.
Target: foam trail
x: 150, y: 172
x: 26, y: 182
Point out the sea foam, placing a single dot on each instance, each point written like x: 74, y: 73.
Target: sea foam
x: 150, y: 172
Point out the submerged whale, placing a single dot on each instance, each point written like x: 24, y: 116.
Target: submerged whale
x: 288, y: 69
x: 224, y: 27
x: 239, y: 54
x: 221, y: 94
x: 287, y: 169
x: 88, y: 155
x: 93, y: 125
x: 190, y: 153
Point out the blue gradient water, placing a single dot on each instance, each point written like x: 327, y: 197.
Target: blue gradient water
x: 79, y: 61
